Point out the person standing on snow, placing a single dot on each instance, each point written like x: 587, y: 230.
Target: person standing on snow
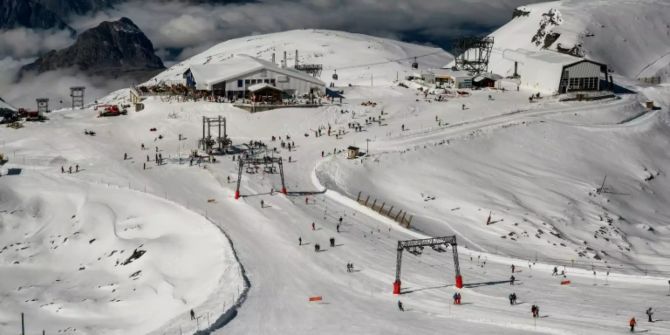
x: 400, y: 307
x: 300, y: 241
x: 650, y: 313
x: 192, y: 315
x: 511, y: 280
x: 512, y: 268
x: 555, y: 273
x: 313, y: 226
x: 632, y: 323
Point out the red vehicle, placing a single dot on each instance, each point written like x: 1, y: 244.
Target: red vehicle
x: 110, y: 110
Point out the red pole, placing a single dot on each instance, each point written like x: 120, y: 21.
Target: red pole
x: 396, y: 287
x: 283, y: 190
x: 459, y: 281
x: 237, y: 195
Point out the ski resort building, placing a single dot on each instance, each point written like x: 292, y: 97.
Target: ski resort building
x: 551, y: 72
x: 447, y: 78
x: 7, y: 112
x: 235, y: 77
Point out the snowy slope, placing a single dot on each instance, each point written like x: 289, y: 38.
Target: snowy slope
x: 629, y: 35
x: 4, y: 105
x: 355, y: 57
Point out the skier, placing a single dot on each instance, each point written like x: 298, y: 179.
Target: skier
x: 400, y: 307
x: 512, y: 299
x: 340, y: 220
x: 313, y: 226
x: 306, y: 200
x: 300, y: 241
x: 317, y: 247
x: 192, y: 315
x: 632, y: 323
x: 555, y: 273
x: 650, y: 313
x: 512, y: 268
x: 142, y: 146
x: 511, y: 280
x: 337, y: 227
x: 76, y: 168
x: 262, y: 204
x: 62, y: 169
x: 144, y: 166
x: 332, y: 242
x: 402, y: 127
x: 69, y: 169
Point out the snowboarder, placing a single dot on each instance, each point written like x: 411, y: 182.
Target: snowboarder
x: 300, y: 241
x: 400, y: 307
x: 649, y: 313
x: 192, y: 315
x: 511, y: 280
x: 632, y: 323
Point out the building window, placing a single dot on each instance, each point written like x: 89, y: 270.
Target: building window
x: 247, y: 82
x: 240, y: 83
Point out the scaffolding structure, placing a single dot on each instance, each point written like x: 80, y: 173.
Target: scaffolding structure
x: 416, y: 247
x: 473, y: 54
x: 77, y: 95
x: 221, y: 141
x: 42, y: 105
x: 266, y: 161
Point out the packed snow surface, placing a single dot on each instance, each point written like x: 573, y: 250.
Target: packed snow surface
x: 535, y: 168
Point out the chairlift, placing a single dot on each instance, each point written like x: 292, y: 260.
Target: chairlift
x: 335, y: 76
x: 415, y: 65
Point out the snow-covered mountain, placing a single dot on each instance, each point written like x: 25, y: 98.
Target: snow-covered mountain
x: 631, y: 36
x: 358, y: 59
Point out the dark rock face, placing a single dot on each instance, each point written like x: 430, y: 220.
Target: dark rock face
x: 111, y: 49
x: 28, y: 14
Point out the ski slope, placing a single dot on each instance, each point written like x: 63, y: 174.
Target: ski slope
x: 624, y: 34
x: 239, y: 264
x: 358, y: 59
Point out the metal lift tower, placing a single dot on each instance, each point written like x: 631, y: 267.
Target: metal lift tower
x: 416, y: 246
x: 473, y: 54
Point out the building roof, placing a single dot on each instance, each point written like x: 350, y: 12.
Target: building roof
x: 207, y: 75
x: 442, y: 73
x: 544, y: 56
x: 260, y: 86
x: 4, y: 105
x: 483, y: 76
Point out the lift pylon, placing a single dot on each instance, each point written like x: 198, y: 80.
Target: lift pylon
x: 435, y: 242
x: 257, y: 161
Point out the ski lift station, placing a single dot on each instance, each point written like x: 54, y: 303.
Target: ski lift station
x: 551, y: 72
x: 242, y: 76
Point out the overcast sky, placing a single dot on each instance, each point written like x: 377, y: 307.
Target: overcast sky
x: 179, y: 30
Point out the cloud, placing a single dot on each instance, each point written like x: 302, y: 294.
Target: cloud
x: 54, y: 85
x: 26, y: 43
x: 181, y: 29
x: 182, y: 25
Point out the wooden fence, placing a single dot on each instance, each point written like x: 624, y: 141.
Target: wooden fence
x: 385, y: 208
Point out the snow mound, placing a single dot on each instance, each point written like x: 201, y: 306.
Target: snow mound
x: 629, y: 43
x: 85, y: 259
x: 358, y: 59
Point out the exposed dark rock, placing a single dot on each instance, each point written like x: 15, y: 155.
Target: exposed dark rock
x: 113, y: 49
x: 29, y: 14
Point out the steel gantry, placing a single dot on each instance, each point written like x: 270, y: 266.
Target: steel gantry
x: 258, y: 161
x: 414, y: 246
